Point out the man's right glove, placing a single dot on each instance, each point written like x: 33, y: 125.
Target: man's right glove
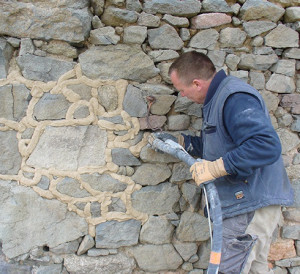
x: 164, y: 137
x: 204, y: 171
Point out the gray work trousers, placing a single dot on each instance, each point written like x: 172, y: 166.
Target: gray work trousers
x: 246, y: 241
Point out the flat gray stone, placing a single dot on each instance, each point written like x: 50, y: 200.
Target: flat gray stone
x: 185, y: 8
x: 69, y: 21
x: 192, y: 227
x: 43, y: 69
x: 10, y: 158
x: 282, y: 37
x: 103, y: 182
x: 232, y: 37
x: 86, y: 244
x: 156, y: 230
x: 104, y: 36
x: 156, y: 258
x: 118, y: 264
x: 164, y: 37
x: 254, y: 28
x: 204, y: 39
x: 160, y: 199
x: 49, y: 221
x: 123, y: 157
x: 51, y: 107
x: 215, y: 6
x: 117, y: 62
x: 151, y: 174
x: 257, y: 9
x: 114, y: 16
x: 257, y: 62
x: 6, y: 52
x: 114, y: 234
x: 134, y: 102
x: 71, y: 187
x: 281, y: 84
x: 68, y: 148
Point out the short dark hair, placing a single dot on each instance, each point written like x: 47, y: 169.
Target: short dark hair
x: 193, y: 65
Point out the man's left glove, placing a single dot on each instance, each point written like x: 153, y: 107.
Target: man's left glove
x: 204, y: 171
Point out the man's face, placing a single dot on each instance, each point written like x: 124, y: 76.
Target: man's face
x: 193, y: 91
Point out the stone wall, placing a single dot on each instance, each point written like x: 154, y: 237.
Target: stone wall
x: 80, y: 191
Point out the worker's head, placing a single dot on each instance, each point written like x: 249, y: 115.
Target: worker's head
x: 191, y: 74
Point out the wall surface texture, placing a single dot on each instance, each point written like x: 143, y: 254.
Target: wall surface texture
x: 80, y: 190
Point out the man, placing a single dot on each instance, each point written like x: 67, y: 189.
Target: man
x: 242, y: 152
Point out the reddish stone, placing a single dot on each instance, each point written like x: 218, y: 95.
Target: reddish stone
x: 210, y: 20
x: 155, y: 122
x: 282, y: 249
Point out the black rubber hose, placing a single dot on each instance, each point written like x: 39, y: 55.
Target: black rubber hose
x: 178, y: 152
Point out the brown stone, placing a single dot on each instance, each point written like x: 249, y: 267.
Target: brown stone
x: 210, y: 20
x: 154, y: 122
x: 282, y: 249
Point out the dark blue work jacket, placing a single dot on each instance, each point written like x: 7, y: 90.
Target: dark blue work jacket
x: 243, y: 135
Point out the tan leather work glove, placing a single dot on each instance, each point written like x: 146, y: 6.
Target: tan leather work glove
x: 206, y: 170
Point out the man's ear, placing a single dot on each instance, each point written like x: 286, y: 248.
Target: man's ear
x: 197, y: 83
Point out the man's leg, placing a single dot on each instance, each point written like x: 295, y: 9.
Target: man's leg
x: 236, y: 243
x: 263, y: 225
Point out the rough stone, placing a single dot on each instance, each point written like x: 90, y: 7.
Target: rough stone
x: 153, y: 122
x: 256, y: 9
x: 160, y: 199
x: 148, y: 20
x: 285, y: 67
x: 257, y: 62
x: 291, y: 262
x: 117, y: 62
x: 254, y: 28
x: 180, y: 173
x: 103, y: 182
x: 114, y: 17
x: 292, y: 53
x: 257, y: 80
x: 51, y: 107
x: 282, y: 37
x: 192, y: 227
x: 71, y: 187
x: 134, y: 103
x: 232, y: 37
x: 6, y: 52
x: 157, y: 257
x: 178, y: 122
x: 217, y: 57
x: 49, y: 221
x: 210, y: 20
x: 104, y: 36
x: 26, y: 47
x: 270, y: 99
x: 114, y: 234
x: 186, y: 250
x: 60, y: 48
x: 292, y: 14
x: 162, y: 104
x: 164, y: 37
x: 119, y: 263
x: 154, y: 89
x: 43, y: 68
x: 204, y: 255
x: 232, y: 61
x: 134, y: 34
x: 215, y: 6
x: 281, y: 84
x: 86, y: 244
x: 10, y: 158
x: 192, y: 194
x: 185, y: 8
x: 156, y: 230
x: 65, y: 248
x: 163, y: 55
x: 151, y: 174
x: 291, y: 232
x: 176, y: 21
x: 288, y: 139
x: 69, y: 23
x: 134, y: 5
x: 148, y: 155
x: 108, y: 97
x: 68, y: 148
x: 296, y: 126
x: 204, y: 39
x: 291, y: 101
x: 123, y: 157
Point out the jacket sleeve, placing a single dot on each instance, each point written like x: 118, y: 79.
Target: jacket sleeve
x: 251, y: 130
x: 193, y: 145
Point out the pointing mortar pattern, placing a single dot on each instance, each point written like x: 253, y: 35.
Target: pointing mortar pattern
x: 27, y: 146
